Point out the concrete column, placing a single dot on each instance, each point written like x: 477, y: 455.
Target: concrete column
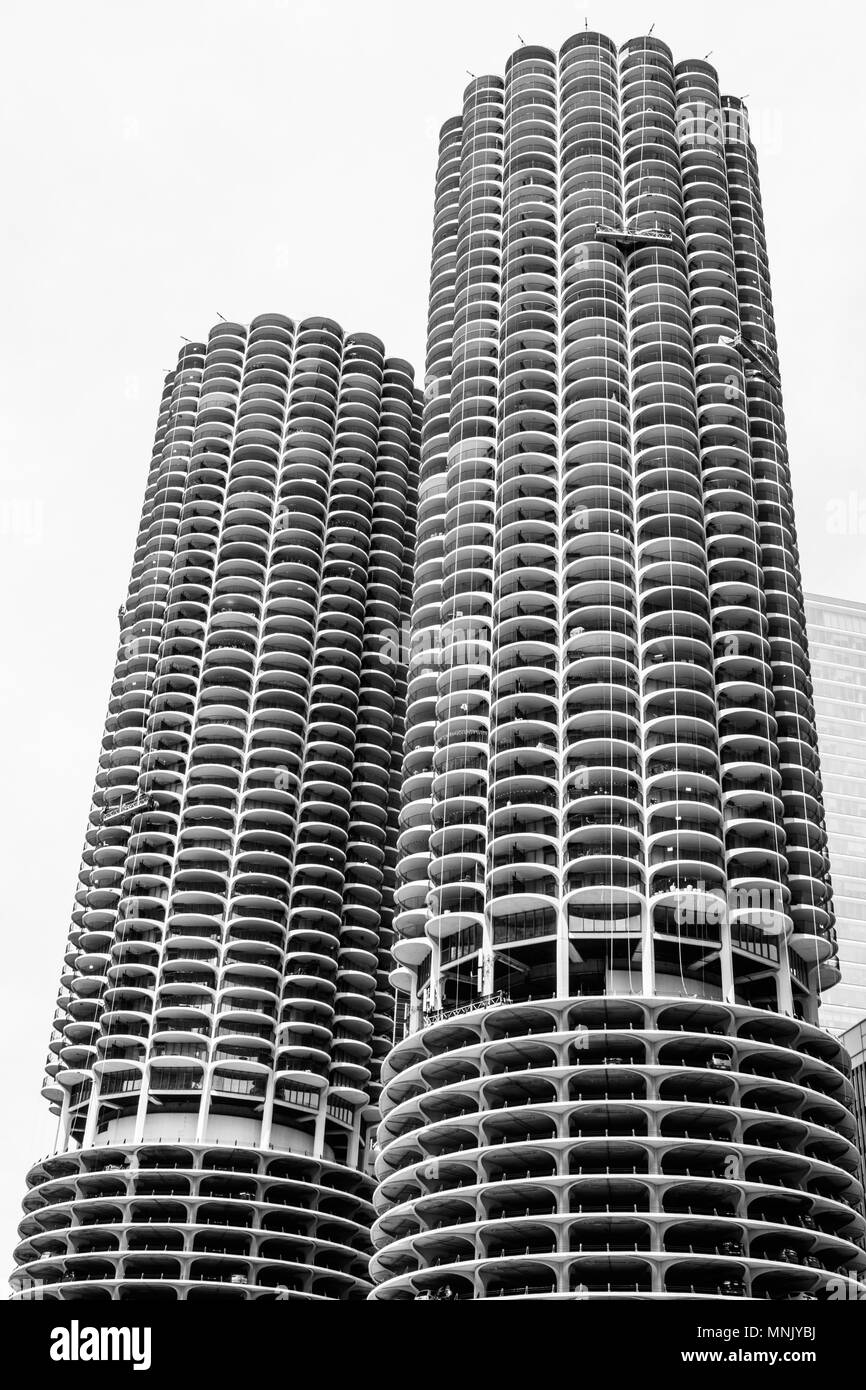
x: 204, y: 1107
x: 141, y: 1112
x: 436, y: 977
x: 648, y: 956
x: 726, y: 962
x: 64, y: 1121
x: 92, y: 1116
x: 354, y: 1140
x: 268, y: 1111
x: 414, y: 1011
x: 321, y: 1118
x: 562, y: 958
x: 784, y: 990
x: 486, y: 969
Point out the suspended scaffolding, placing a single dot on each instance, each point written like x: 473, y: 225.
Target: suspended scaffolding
x: 127, y: 811
x: 756, y: 355
x: 630, y: 238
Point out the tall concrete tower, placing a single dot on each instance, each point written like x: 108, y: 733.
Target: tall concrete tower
x: 614, y: 920
x: 224, y: 1006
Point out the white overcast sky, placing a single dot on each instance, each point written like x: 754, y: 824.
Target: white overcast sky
x: 168, y: 160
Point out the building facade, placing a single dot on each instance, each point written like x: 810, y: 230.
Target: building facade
x: 854, y: 1041
x: 614, y: 919
x: 837, y: 648
x: 224, y: 1007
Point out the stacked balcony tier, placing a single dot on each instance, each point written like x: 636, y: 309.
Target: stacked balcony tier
x: 618, y: 1148
x: 162, y: 1222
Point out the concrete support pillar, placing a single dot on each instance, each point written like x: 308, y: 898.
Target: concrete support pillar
x: 354, y: 1141
x: 562, y: 959
x: 414, y: 1022
x: 92, y: 1116
x: 268, y: 1111
x: 784, y: 990
x: 141, y: 1112
x: 486, y: 975
x: 648, y: 957
x: 726, y: 962
x: 64, y: 1121
x: 321, y: 1119
x: 436, y: 977
x: 204, y: 1108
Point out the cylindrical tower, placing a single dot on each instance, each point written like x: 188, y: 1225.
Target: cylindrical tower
x: 614, y: 917
x: 225, y: 1007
